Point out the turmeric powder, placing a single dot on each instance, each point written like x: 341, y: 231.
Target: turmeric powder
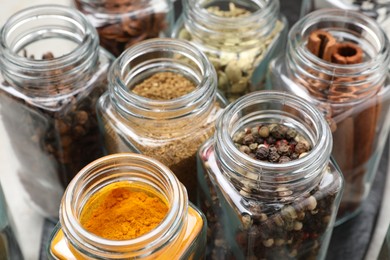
x: 122, y: 211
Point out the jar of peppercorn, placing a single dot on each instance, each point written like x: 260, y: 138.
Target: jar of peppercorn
x: 339, y: 62
x: 239, y: 37
x: 127, y: 206
x: 162, y: 102
x: 52, y: 73
x: 266, y: 181
x: 123, y: 23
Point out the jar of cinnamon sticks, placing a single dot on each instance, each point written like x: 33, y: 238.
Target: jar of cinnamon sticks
x: 266, y: 181
x: 123, y: 23
x: 52, y: 73
x: 339, y: 61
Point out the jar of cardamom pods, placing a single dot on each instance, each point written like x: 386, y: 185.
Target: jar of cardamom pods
x: 123, y: 23
x: 338, y: 61
x: 52, y: 73
x: 127, y: 206
x: 162, y: 102
x: 239, y: 37
x: 267, y: 184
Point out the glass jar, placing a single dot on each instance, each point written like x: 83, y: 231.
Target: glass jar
x: 384, y: 252
x: 180, y: 235
x: 169, y: 130
x: 239, y: 37
x: 376, y: 9
x: 123, y: 23
x: 9, y: 247
x: 48, y: 103
x: 354, y: 98
x: 260, y: 209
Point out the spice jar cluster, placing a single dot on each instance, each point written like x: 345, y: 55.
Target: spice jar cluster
x: 138, y: 138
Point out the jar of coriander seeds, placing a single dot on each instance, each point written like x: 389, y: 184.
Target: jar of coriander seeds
x: 239, y: 37
x: 162, y: 102
x: 267, y: 184
x: 52, y: 73
x: 123, y: 23
x: 127, y: 206
x: 338, y: 61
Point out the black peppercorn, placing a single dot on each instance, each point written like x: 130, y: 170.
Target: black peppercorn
x: 278, y: 131
x: 284, y: 148
x: 262, y: 152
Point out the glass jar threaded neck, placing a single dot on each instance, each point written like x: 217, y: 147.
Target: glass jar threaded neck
x: 260, y: 23
x: 132, y: 168
x: 61, y: 33
x: 267, y: 179
x: 334, y: 82
x: 162, y: 55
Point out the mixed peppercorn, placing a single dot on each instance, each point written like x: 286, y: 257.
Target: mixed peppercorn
x: 275, y: 143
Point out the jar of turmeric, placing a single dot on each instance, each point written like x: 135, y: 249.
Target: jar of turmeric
x: 161, y: 101
x: 126, y: 206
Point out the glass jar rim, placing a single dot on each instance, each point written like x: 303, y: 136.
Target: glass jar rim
x: 206, y: 88
x: 163, y: 233
x: 262, y: 11
x: 322, y: 146
x: 298, y: 30
x: 41, y: 12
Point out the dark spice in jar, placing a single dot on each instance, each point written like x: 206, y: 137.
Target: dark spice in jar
x: 283, y: 229
x: 123, y: 23
x: 284, y: 145
x: 54, y: 143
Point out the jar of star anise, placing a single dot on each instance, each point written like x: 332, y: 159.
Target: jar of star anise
x: 338, y: 61
x: 266, y: 181
x: 122, y: 23
x: 52, y: 73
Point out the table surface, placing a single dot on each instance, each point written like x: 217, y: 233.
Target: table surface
x: 29, y: 223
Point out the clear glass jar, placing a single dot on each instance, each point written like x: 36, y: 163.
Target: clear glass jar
x: 168, y: 130
x: 123, y: 23
x: 48, y: 103
x: 376, y: 9
x: 354, y: 98
x: 180, y: 235
x: 268, y: 210
x: 9, y: 247
x: 239, y: 42
x: 384, y: 253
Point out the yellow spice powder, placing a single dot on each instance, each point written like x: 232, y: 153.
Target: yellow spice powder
x: 122, y: 211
